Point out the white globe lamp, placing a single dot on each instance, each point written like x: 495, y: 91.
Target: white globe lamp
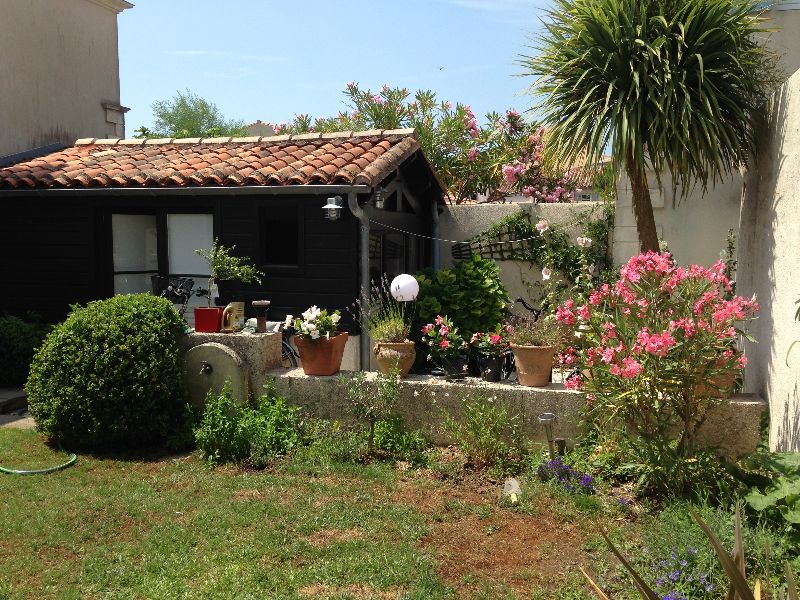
x: 404, y: 288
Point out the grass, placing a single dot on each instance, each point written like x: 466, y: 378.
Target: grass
x: 170, y: 527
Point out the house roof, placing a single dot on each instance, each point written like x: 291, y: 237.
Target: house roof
x: 341, y: 158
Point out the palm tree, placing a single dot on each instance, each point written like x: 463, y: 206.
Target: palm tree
x: 671, y: 85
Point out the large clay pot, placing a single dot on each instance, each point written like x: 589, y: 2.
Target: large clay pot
x: 207, y: 320
x: 720, y: 386
x: 322, y: 356
x: 534, y: 364
x: 391, y: 355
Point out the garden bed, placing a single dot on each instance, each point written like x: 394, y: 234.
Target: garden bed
x: 733, y: 427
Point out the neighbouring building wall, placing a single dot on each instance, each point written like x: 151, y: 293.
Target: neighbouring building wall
x: 522, y: 279
x: 60, y: 71
x: 694, y: 227
x: 769, y: 268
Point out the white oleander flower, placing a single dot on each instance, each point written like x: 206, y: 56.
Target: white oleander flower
x: 546, y: 274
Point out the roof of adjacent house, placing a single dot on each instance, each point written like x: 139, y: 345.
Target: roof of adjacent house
x: 341, y: 158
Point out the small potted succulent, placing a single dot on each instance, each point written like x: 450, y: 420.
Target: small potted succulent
x: 490, y: 348
x: 222, y: 266
x: 535, y: 343
x: 320, y: 344
x: 446, y: 347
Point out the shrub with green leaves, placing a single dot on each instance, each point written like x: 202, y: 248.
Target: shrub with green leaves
x: 110, y: 374
x: 488, y: 433
x: 395, y: 441
x: 18, y: 342
x: 230, y: 433
x: 779, y: 499
x: 471, y: 294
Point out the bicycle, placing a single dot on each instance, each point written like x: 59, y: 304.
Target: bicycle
x: 177, y: 289
x: 289, y: 355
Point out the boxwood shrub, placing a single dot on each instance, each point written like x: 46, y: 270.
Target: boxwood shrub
x: 110, y: 374
x: 18, y: 342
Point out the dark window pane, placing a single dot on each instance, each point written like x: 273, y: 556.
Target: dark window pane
x: 281, y: 227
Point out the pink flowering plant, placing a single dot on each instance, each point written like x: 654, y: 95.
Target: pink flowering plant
x: 498, y: 156
x: 657, y: 350
x: 442, y: 339
x: 493, y: 343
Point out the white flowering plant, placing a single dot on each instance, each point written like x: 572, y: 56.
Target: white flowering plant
x: 316, y: 323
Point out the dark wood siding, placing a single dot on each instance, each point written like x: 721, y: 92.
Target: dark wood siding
x: 47, y: 256
x: 328, y: 276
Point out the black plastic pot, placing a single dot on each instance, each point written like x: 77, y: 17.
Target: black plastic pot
x: 490, y: 367
x: 454, y: 367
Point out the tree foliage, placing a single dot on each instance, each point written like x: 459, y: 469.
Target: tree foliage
x: 671, y: 85
x: 503, y: 156
x: 188, y: 115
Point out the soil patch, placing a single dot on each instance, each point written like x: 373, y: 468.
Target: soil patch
x: 357, y: 592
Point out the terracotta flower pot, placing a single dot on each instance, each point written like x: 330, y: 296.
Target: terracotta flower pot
x: 534, y: 364
x: 390, y: 355
x: 322, y: 356
x: 208, y: 320
x: 720, y: 386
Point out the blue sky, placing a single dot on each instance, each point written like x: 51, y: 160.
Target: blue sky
x: 270, y: 60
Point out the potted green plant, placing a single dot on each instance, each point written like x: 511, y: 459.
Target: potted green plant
x: 387, y: 321
x: 320, y: 344
x: 446, y: 347
x: 222, y: 266
x: 490, y: 348
x: 535, y: 343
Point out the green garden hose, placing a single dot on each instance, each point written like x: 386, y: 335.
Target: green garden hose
x: 72, y: 458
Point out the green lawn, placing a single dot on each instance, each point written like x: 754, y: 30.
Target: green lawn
x: 169, y: 527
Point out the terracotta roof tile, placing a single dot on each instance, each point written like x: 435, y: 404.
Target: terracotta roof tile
x: 346, y: 158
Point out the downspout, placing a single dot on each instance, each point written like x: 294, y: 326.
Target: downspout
x: 363, y: 239
x: 435, y: 236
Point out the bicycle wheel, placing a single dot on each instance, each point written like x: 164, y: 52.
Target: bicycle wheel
x: 288, y: 357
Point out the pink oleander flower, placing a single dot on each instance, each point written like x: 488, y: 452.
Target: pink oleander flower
x: 741, y: 361
x: 473, y: 154
x: 495, y: 339
x: 657, y: 344
x: 443, y: 330
x: 528, y: 191
x: 444, y: 344
x: 509, y: 174
x: 427, y: 328
x: 565, y: 314
x: 438, y: 320
x: 574, y: 383
x: 583, y: 312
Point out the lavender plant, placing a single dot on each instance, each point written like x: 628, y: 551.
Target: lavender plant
x: 565, y: 476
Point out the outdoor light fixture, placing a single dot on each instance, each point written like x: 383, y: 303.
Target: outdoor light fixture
x: 547, y: 419
x: 404, y: 288
x: 379, y: 197
x: 333, y: 209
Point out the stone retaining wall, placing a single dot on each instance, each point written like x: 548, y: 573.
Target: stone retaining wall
x: 733, y: 427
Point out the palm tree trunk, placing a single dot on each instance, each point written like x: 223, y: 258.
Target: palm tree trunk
x: 642, y: 209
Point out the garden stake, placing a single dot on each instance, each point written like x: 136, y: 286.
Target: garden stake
x: 547, y: 419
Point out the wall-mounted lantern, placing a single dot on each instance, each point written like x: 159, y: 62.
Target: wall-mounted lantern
x: 333, y: 209
x: 379, y: 197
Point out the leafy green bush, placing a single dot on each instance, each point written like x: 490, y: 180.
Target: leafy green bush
x: 393, y: 439
x: 488, y: 434
x: 110, y: 374
x: 779, y: 500
x: 220, y: 435
x: 329, y: 443
x: 229, y: 433
x: 18, y: 342
x: 471, y: 294
x: 273, y: 428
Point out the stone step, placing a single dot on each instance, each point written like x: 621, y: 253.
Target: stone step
x: 12, y: 399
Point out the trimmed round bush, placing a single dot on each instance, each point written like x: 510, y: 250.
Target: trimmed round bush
x: 110, y: 374
x: 18, y: 343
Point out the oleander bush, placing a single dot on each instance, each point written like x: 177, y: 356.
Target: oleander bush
x: 110, y: 374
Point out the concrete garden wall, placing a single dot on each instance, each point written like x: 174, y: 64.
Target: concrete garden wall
x: 769, y: 266
x: 462, y: 222
x: 731, y: 427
